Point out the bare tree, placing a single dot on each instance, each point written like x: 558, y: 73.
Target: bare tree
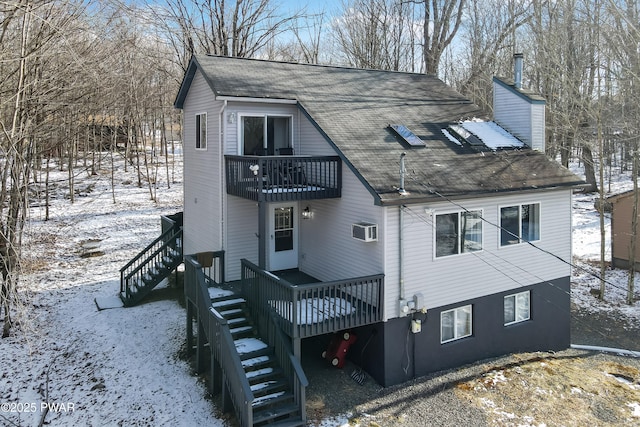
x: 489, y: 42
x: 442, y: 19
x: 624, y: 39
x: 377, y: 34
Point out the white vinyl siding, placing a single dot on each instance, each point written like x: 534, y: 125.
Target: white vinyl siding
x: 517, y: 308
x: 242, y: 232
x: 446, y: 280
x: 520, y: 116
x: 456, y: 324
x: 327, y: 250
x: 203, y: 188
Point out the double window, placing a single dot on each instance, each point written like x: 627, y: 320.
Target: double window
x: 520, y: 223
x: 456, y: 323
x: 266, y: 135
x: 517, y: 308
x: 201, y: 131
x: 458, y: 232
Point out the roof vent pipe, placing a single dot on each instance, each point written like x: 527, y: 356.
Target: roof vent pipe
x: 517, y: 70
x: 401, y: 190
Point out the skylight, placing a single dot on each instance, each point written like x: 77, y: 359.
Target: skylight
x: 408, y: 136
x: 480, y: 134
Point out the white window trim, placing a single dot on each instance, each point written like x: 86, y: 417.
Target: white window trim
x: 455, y: 321
x: 515, y: 307
x: 520, y: 240
x: 435, y: 242
x: 265, y: 116
x: 206, y: 131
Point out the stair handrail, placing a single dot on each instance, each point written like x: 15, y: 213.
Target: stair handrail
x: 291, y: 366
x: 150, y: 246
x: 235, y: 378
x: 170, y: 237
x: 222, y: 346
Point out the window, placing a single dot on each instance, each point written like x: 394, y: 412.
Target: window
x: 519, y: 224
x: 266, y: 135
x: 458, y: 232
x: 408, y: 136
x: 455, y: 324
x: 201, y: 131
x: 516, y: 308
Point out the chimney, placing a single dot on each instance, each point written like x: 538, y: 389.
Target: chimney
x: 519, y: 111
x: 517, y: 70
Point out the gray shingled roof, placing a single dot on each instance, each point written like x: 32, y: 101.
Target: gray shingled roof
x: 354, y: 107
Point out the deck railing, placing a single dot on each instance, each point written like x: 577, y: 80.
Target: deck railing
x: 284, y: 178
x: 221, y: 344
x: 312, y: 309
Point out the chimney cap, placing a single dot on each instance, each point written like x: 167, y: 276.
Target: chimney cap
x: 517, y: 70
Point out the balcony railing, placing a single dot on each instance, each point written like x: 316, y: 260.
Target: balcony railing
x: 284, y: 178
x: 313, y: 309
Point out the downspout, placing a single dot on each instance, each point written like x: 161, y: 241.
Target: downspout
x: 222, y: 127
x: 402, y: 192
x: 401, y: 252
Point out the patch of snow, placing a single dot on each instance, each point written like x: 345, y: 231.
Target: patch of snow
x: 492, y: 134
x: 314, y: 310
x: 219, y: 293
x: 248, y: 345
x: 635, y: 409
x: 450, y: 137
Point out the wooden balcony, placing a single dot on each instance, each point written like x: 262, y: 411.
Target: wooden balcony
x: 307, y: 310
x: 284, y: 178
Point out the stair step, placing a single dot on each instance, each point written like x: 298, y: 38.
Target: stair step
x: 274, y: 413
x: 248, y: 346
x: 291, y: 422
x: 279, y: 398
x: 237, y: 321
x: 263, y: 375
x: 241, y: 329
x: 266, y: 387
x: 216, y: 293
x: 228, y: 302
x: 255, y: 361
x: 227, y: 314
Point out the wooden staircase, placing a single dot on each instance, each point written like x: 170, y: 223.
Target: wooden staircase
x: 151, y: 266
x: 273, y: 400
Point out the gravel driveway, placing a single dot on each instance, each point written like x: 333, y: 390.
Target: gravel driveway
x: 431, y: 401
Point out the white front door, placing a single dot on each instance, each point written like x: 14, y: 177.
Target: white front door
x: 283, y: 236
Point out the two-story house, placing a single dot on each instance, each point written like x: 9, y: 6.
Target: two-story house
x: 438, y: 230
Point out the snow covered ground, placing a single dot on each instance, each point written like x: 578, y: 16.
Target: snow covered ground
x: 121, y: 366
x: 586, y: 254
x: 110, y: 367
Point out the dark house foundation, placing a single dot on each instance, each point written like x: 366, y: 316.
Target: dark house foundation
x: 394, y: 354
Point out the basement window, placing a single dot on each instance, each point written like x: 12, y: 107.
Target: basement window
x: 455, y: 324
x: 407, y: 136
x: 517, y: 308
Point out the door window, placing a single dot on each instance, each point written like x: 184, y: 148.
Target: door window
x: 283, y: 229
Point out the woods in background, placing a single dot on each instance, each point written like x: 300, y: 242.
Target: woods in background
x: 84, y: 81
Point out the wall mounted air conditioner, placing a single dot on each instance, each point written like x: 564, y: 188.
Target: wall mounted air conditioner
x: 365, y: 231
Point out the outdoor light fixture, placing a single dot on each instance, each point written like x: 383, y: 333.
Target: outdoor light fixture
x: 231, y: 118
x: 254, y: 169
x: 306, y: 213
